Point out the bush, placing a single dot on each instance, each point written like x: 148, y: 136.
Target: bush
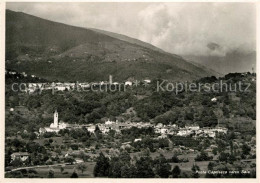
x: 203, y: 156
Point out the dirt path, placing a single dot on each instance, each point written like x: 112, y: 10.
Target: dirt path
x: 37, y: 166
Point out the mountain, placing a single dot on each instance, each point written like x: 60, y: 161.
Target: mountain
x: 129, y: 39
x: 56, y: 51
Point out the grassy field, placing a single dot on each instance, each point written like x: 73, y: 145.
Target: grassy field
x: 68, y: 170
x: 56, y: 140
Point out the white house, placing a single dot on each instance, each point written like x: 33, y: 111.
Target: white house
x: 79, y: 160
x: 108, y: 122
x: 214, y: 99
x: 184, y: 132
x: 136, y: 140
x: 221, y: 129
x: 63, y: 125
x: 23, y: 156
x: 148, y: 81
x: 91, y: 128
x: 42, y: 130
x: 193, y: 127
x: 128, y: 83
x: 164, y: 130
x: 60, y: 88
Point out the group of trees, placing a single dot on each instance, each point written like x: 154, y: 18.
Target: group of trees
x: 123, y: 166
x: 203, y: 156
x: 150, y: 143
x: 185, y: 141
x: 37, y: 153
x: 135, y: 132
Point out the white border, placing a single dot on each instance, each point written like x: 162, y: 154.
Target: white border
x: 110, y: 180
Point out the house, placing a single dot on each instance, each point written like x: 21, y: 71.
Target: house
x: 91, y: 128
x: 211, y: 134
x: 184, y: 132
x: 60, y: 88
x: 128, y: 83
x: 125, y: 146
x: 147, y: 81
x: 214, y: 99
x: 79, y: 160
x: 164, y: 130
x: 104, y: 129
x: 159, y: 125
x: 63, y: 125
x: 42, y: 130
x: 108, y: 122
x: 208, y: 132
x: 23, y: 156
x: 24, y: 74
x: 221, y: 130
x: 136, y: 140
x: 193, y: 127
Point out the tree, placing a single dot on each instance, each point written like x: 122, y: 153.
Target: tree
x: 74, y: 146
x: 101, y: 168
x: 33, y: 136
x: 162, y: 167
x: 17, y: 162
x: 74, y: 175
x: 125, y: 171
x: 8, y: 157
x: 195, y: 168
x: 215, y: 151
x: 175, y: 159
x: 115, y: 167
x: 246, y: 149
x: 83, y: 156
x: 61, y: 169
x: 82, y: 167
x: 223, y: 156
x: 211, y: 166
x: 203, y: 156
x: 69, y: 160
x: 98, y: 132
x: 176, y: 171
x: 51, y: 174
x: 144, y: 168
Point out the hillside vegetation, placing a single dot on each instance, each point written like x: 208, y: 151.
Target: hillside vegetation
x: 57, y: 51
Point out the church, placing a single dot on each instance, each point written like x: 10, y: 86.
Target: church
x: 55, y: 126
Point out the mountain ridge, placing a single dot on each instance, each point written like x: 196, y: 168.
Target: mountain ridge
x: 54, y: 51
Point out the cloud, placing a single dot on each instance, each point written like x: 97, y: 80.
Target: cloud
x: 187, y: 29
x: 181, y: 28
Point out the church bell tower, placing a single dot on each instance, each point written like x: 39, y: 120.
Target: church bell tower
x: 56, y: 122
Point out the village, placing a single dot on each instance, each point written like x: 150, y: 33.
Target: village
x: 70, y: 153
x: 163, y: 130
x: 71, y: 86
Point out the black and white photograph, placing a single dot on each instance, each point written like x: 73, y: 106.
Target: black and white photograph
x: 121, y: 90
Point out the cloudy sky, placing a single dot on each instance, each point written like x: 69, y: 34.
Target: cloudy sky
x: 181, y: 28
